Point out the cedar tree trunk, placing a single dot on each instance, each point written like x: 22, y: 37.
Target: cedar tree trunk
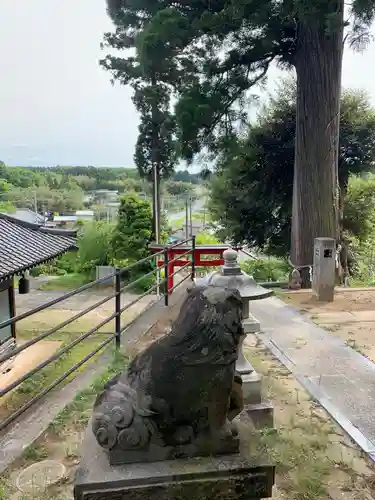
x: 318, y: 63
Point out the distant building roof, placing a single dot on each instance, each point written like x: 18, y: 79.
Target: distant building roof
x: 28, y: 215
x: 105, y: 191
x: 24, y: 245
x: 85, y: 213
x: 65, y: 218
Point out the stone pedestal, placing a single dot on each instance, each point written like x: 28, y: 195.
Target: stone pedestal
x: 261, y: 414
x: 251, y: 324
x: 260, y: 411
x: 243, y: 476
x: 251, y: 381
x: 251, y: 386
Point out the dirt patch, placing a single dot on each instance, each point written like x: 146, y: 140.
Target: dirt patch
x: 351, y: 316
x: 24, y: 362
x: 49, y: 318
x: 345, y: 300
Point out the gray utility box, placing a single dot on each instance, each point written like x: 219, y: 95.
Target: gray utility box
x: 323, y: 282
x: 103, y: 271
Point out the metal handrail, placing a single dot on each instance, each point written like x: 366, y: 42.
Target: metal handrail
x: 248, y: 253
x: 54, y: 329
x: 54, y: 384
x: 116, y: 315
x: 85, y: 287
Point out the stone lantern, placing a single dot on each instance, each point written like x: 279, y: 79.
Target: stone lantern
x: 231, y: 276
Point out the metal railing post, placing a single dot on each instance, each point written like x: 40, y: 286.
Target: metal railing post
x: 193, y: 259
x: 118, y: 308
x: 166, y: 276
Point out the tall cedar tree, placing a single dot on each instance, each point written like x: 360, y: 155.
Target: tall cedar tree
x: 148, y: 69
x: 224, y: 47
x: 252, y: 189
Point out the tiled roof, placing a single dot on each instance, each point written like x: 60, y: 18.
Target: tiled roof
x: 24, y: 245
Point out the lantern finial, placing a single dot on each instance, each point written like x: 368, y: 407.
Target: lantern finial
x: 231, y: 266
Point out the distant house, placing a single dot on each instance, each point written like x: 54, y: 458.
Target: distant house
x: 112, y: 210
x: 28, y: 216
x: 64, y: 220
x: 70, y: 220
x: 86, y: 215
x: 24, y: 245
x: 104, y: 196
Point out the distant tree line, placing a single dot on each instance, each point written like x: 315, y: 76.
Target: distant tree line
x: 63, y: 188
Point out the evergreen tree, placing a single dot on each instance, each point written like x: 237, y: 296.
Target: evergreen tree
x: 252, y: 188
x: 225, y: 47
x: 149, y: 71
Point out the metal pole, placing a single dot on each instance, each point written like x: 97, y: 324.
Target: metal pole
x: 156, y: 204
x: 157, y: 235
x: 166, y: 275
x: 187, y: 220
x: 193, y: 259
x: 118, y: 308
x: 191, y: 219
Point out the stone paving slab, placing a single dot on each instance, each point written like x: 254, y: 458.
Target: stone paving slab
x: 364, y: 316
x: 341, y: 317
x: 336, y: 317
x: 339, y: 377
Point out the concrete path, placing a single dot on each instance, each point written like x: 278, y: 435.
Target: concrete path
x: 341, y: 379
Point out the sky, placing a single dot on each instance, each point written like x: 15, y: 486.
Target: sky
x: 57, y: 106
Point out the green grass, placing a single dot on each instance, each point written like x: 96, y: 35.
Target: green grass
x: 35, y: 453
x: 361, y: 283
x: 196, y: 216
x: 77, y: 413
x: 65, y: 282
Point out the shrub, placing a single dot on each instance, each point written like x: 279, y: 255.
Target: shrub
x: 133, y: 231
x: 60, y: 272
x: 144, y: 284
x: 131, y: 239
x: 268, y: 269
x: 359, y: 207
x: 205, y: 238
x: 36, y: 271
x: 94, y: 246
x: 68, y: 262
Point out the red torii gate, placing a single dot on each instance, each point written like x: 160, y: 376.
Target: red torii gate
x: 173, y: 251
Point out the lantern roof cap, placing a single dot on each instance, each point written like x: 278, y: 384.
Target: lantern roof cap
x: 232, y: 276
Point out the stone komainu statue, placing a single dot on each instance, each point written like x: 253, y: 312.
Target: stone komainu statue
x: 175, y: 397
